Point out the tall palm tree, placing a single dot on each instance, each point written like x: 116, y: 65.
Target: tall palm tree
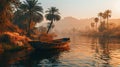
x: 29, y: 11
x: 107, y: 14
x: 96, y: 21
x: 100, y: 16
x: 52, y: 15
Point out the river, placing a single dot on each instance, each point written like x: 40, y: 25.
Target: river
x: 84, y: 52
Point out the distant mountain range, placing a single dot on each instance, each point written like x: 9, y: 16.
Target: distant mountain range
x: 69, y: 23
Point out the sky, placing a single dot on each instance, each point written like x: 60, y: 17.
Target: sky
x: 83, y: 8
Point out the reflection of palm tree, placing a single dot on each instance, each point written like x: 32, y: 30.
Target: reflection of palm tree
x: 95, y: 47
x: 103, y: 53
x: 52, y: 15
x: 105, y: 47
x: 31, y: 11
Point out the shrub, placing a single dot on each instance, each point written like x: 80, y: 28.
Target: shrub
x: 5, y: 38
x: 47, y: 37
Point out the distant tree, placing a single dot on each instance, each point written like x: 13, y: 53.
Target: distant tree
x: 52, y: 15
x: 100, y: 16
x: 103, y: 18
x: 107, y: 13
x: 96, y: 21
x: 102, y: 26
x: 30, y: 12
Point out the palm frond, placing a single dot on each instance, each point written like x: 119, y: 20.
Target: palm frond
x: 23, y: 7
x: 49, y: 16
x: 30, y: 12
x: 37, y: 17
x: 38, y: 8
x: 100, y: 14
x: 96, y: 19
x: 52, y: 14
x: 53, y: 10
x: 57, y: 17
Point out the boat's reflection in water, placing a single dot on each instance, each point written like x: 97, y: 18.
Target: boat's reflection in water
x: 36, y: 58
x: 45, y: 57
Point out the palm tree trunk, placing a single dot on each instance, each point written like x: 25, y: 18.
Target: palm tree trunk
x: 104, y: 20
x: 100, y: 19
x: 96, y: 26
x: 29, y: 28
x: 50, y: 26
x: 107, y: 24
x: 28, y: 32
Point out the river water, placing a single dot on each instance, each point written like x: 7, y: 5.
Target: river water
x: 83, y: 52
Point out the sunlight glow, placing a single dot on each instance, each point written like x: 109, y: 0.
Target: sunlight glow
x: 117, y: 6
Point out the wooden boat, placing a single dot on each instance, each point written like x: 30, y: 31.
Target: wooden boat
x: 55, y: 44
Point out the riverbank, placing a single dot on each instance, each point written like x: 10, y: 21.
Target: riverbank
x: 12, y: 41
x: 107, y: 33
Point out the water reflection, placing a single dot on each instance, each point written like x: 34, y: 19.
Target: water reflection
x: 103, y: 48
x: 10, y: 58
x: 84, y: 52
x: 30, y: 59
x: 105, y: 53
x: 43, y: 58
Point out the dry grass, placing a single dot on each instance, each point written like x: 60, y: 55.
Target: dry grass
x: 47, y: 37
x: 13, y: 41
x: 111, y: 32
x: 13, y: 38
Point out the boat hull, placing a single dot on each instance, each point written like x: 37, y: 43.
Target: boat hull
x: 55, y: 44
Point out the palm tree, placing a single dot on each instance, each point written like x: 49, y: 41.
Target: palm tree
x: 96, y: 21
x: 29, y: 11
x: 107, y: 14
x: 100, y: 16
x: 52, y: 15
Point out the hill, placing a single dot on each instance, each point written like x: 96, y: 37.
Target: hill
x: 69, y: 23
